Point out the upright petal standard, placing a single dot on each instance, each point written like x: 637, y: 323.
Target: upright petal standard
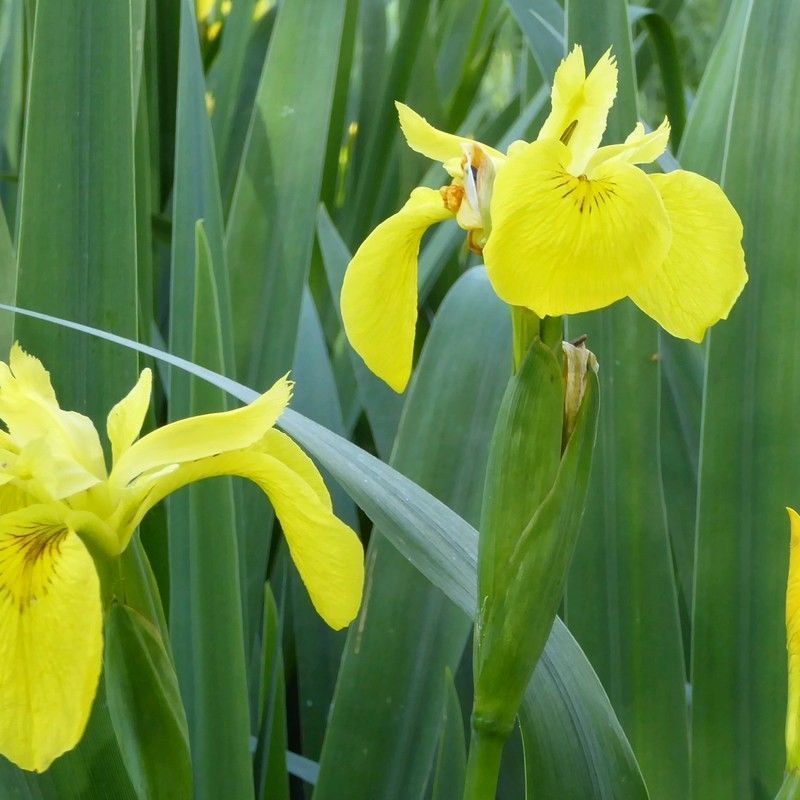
x: 564, y: 226
x: 64, y: 519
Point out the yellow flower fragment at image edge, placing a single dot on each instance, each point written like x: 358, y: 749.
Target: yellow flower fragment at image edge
x: 63, y: 515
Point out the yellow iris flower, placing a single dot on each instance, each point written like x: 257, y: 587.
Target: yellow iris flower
x: 64, y: 518
x: 564, y: 225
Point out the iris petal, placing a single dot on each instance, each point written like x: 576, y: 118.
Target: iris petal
x: 50, y: 637
x: 432, y: 143
x: 126, y: 418
x: 703, y: 273
x: 29, y: 408
x: 580, y: 105
x: 328, y: 555
x: 379, y: 293
x: 202, y: 436
x: 562, y: 244
x: 639, y: 148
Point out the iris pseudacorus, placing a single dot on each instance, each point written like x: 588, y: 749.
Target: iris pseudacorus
x: 564, y: 226
x: 64, y: 518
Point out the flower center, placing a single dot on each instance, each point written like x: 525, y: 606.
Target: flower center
x: 586, y: 193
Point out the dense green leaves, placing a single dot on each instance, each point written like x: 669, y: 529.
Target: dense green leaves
x: 751, y: 438
x: 622, y: 599
x: 271, y: 224
x: 201, y: 188
x: 145, y: 707
x: 76, y: 245
x: 450, y: 398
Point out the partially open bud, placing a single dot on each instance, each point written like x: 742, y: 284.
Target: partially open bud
x: 578, y: 360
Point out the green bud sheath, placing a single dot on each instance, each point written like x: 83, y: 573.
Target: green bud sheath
x: 533, y: 504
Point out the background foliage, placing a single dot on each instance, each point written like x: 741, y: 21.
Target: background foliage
x: 194, y: 179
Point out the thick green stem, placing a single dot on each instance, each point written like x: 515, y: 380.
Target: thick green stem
x: 483, y: 765
x: 524, y: 329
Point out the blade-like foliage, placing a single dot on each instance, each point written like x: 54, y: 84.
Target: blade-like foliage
x: 751, y: 438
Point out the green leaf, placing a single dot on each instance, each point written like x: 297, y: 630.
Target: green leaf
x: 621, y: 601
x: 682, y: 372
x: 386, y: 747
x: 272, y: 778
x: 12, y: 99
x: 380, y: 129
x: 271, y: 223
x: 542, y: 23
x: 218, y: 679
x: 564, y: 702
x: 665, y: 48
x: 602, y: 764
x: 8, y: 284
x: 318, y: 648
x: 145, y: 706
x: 77, y: 211
x: 451, y: 758
x: 751, y: 431
x: 76, y: 216
x: 205, y: 622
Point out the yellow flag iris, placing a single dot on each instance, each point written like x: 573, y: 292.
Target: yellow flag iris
x: 63, y: 516
x: 564, y: 225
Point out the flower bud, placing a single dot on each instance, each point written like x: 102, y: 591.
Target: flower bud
x: 578, y: 360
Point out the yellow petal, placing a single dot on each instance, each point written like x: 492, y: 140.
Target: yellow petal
x: 704, y: 272
x: 561, y: 244
x: 50, y: 637
x: 278, y: 444
x: 379, y: 293
x: 328, y: 555
x: 432, y: 143
x: 125, y: 420
x: 55, y: 474
x: 639, y: 147
x: 30, y: 410
x: 202, y: 436
x: 793, y: 645
x: 580, y: 105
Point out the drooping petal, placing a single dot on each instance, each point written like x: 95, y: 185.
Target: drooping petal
x: 580, y: 106
x: 379, y: 293
x: 432, y: 143
x: 202, y: 436
x: 793, y: 645
x: 328, y: 555
x: 638, y: 148
x: 561, y: 244
x: 126, y: 418
x: 30, y: 410
x: 285, y: 449
x: 703, y: 273
x: 50, y: 637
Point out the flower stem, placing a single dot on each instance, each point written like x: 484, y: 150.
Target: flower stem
x: 483, y: 765
x: 524, y: 329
